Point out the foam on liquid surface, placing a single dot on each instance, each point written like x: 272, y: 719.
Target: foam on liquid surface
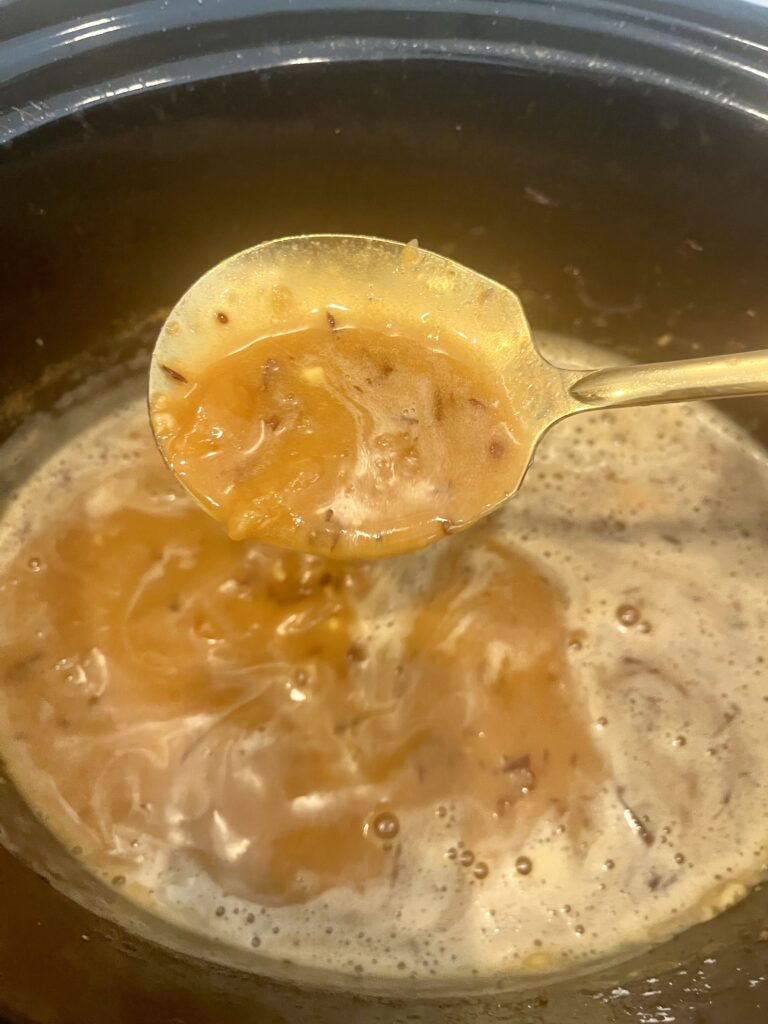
x: 616, y: 609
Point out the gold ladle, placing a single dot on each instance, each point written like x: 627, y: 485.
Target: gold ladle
x: 267, y: 283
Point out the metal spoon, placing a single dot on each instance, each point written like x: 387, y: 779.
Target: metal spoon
x: 267, y: 284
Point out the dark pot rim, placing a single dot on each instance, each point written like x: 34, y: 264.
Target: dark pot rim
x: 50, y: 69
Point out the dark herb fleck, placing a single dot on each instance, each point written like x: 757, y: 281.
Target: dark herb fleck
x: 356, y: 652
x: 173, y: 374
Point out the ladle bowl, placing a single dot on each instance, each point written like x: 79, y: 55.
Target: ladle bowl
x: 263, y: 292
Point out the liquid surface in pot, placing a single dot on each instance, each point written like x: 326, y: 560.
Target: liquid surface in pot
x: 535, y: 743
x: 340, y: 438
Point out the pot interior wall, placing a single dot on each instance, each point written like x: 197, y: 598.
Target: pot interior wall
x: 627, y: 218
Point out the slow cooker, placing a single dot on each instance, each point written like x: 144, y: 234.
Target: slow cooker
x: 607, y: 160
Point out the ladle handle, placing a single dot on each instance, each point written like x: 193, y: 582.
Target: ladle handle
x: 745, y: 373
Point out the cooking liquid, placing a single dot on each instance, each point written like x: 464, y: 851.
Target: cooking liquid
x: 341, y: 439
x: 535, y: 743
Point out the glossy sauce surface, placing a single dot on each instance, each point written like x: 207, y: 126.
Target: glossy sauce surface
x: 342, y: 439
x: 231, y: 700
